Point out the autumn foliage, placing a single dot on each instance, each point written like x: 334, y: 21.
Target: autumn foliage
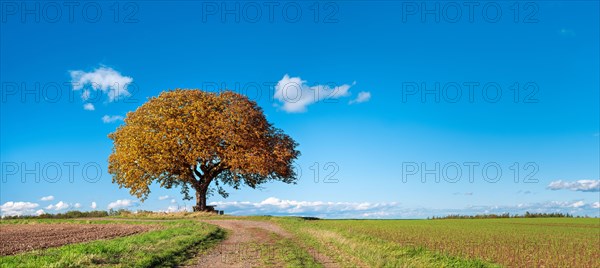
x: 190, y: 138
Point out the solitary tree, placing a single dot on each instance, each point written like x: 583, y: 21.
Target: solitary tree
x: 190, y: 138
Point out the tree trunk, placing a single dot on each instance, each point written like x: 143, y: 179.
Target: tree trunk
x: 201, y: 198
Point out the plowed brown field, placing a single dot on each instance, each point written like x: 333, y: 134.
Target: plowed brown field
x: 16, y: 238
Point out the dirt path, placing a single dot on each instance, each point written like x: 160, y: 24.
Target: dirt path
x: 247, y: 244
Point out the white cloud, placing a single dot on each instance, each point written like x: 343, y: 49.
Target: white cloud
x: 296, y: 94
x: 59, y: 206
x: 77, y: 205
x: 123, y: 203
x: 174, y: 209
x: 89, y: 107
x: 104, y: 79
x: 580, y: 185
x: 17, y: 208
x: 173, y: 201
x: 39, y: 212
x: 571, y: 207
x: 86, y: 95
x: 47, y: 198
x: 164, y: 197
x: 112, y: 118
x: 596, y: 205
x: 363, y: 96
x: 578, y: 204
x: 279, y: 207
x: 94, y: 206
x: 275, y: 206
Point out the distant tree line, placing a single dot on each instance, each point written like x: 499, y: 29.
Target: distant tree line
x: 85, y: 214
x: 507, y: 215
x: 66, y: 215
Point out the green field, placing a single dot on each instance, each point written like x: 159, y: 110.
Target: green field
x: 548, y: 242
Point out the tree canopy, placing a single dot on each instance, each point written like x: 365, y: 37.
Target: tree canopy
x: 190, y: 138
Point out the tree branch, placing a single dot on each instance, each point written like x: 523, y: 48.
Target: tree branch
x: 196, y: 182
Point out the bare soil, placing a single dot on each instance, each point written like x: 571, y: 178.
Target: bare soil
x: 247, y: 243
x: 17, y: 238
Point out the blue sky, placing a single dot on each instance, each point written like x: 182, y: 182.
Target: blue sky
x: 528, y: 83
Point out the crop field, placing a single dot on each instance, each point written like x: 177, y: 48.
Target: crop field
x: 540, y: 242
x: 225, y: 241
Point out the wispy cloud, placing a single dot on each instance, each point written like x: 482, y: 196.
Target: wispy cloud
x: 275, y: 206
x: 122, y: 203
x: 18, y: 208
x: 566, y: 32
x: 164, y: 197
x: 89, y: 107
x: 363, y: 96
x: 295, y: 94
x: 279, y: 207
x: 94, y: 205
x: 576, y: 207
x: 580, y: 185
x: 102, y: 79
x: 174, y: 209
x: 47, y: 198
x: 111, y: 118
